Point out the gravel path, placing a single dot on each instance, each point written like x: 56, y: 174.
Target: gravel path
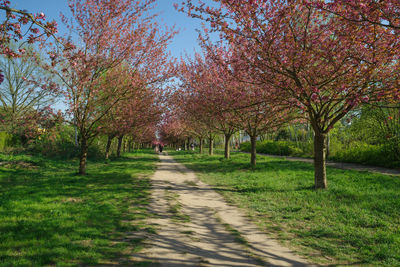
x: 196, y: 227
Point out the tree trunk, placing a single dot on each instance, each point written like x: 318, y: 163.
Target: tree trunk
x: 188, y: 144
x: 227, y: 152
x: 108, y: 146
x: 124, y: 145
x: 130, y: 145
x: 327, y: 146
x: 120, y: 138
x: 253, y: 140
x: 200, y: 145
x: 83, y: 155
x: 319, y: 161
x: 211, y: 146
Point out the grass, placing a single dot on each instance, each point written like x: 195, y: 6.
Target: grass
x: 49, y: 216
x: 175, y: 208
x: 356, y: 221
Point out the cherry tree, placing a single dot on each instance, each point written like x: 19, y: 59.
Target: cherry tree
x: 252, y: 105
x: 20, y: 25
x: 206, y: 96
x: 137, y: 111
x: 110, y: 34
x: 173, y: 128
x: 321, y: 64
x: 382, y: 13
x: 178, y: 103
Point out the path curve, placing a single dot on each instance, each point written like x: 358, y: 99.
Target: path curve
x: 196, y: 227
x: 338, y: 165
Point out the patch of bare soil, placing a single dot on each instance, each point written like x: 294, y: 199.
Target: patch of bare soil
x: 18, y: 165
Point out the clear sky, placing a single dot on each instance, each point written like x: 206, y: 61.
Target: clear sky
x: 186, y: 40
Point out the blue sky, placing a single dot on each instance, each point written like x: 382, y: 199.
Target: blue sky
x: 186, y: 40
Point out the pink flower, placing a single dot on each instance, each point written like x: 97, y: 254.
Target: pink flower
x: 314, y: 97
x: 365, y: 99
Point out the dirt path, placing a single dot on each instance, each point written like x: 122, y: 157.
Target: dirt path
x: 338, y: 165
x: 195, y: 226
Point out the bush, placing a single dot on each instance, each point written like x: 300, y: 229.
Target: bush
x: 375, y: 155
x: 282, y: 148
x: 356, y: 152
x: 61, y: 144
x: 5, y: 139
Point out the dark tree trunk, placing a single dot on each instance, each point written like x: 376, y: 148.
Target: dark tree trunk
x: 108, y: 146
x: 124, y: 145
x: 211, y: 146
x: 83, y: 155
x: 130, y: 143
x: 188, y: 144
x: 227, y: 151
x: 200, y: 145
x: 320, y: 160
x: 120, y: 138
x: 253, y: 140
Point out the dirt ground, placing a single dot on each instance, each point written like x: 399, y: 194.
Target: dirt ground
x: 196, y: 227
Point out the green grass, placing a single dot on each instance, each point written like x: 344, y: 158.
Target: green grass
x: 175, y: 208
x: 355, y: 221
x: 49, y: 216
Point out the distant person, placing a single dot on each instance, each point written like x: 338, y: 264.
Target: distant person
x: 160, y: 147
x: 192, y: 146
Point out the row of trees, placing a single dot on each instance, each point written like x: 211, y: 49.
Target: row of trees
x: 109, y: 70
x: 279, y: 61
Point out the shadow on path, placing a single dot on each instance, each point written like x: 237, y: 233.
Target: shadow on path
x: 213, y: 233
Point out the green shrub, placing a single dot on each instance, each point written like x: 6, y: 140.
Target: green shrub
x: 282, y: 148
x: 375, y: 155
x: 245, y: 146
x: 5, y: 139
x: 356, y: 152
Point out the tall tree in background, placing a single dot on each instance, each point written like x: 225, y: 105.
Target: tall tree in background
x: 26, y: 88
x: 131, y: 114
x: 205, y: 94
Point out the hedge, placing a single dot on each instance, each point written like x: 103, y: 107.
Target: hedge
x: 356, y: 152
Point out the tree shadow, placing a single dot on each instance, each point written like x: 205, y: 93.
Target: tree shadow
x: 50, y: 215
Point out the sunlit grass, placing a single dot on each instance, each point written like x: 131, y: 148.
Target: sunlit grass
x: 51, y: 216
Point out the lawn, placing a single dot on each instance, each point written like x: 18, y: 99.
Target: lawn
x: 356, y: 221
x: 49, y: 216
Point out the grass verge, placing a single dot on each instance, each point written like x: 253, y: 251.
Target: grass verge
x: 356, y: 221
x: 49, y: 216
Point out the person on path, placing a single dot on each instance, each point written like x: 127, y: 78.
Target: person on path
x: 156, y: 147
x: 160, y: 147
